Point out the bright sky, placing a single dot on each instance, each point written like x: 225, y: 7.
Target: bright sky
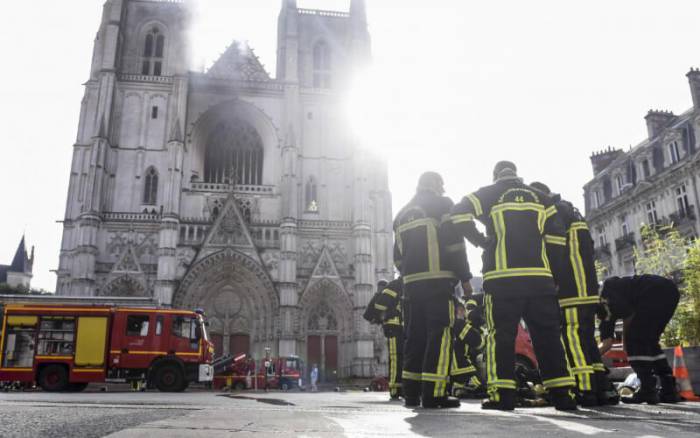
x: 456, y: 86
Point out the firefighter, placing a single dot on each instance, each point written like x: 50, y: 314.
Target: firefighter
x: 646, y: 303
x: 462, y: 369
x: 388, y: 303
x: 579, y: 299
x: 523, y: 245
x: 431, y: 259
x: 371, y: 314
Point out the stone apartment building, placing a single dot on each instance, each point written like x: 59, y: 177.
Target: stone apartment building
x: 654, y: 183
x: 231, y: 190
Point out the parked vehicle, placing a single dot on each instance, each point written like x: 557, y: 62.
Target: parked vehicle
x: 65, y: 347
x: 276, y: 373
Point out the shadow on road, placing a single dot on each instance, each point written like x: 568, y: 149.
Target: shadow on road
x: 269, y: 401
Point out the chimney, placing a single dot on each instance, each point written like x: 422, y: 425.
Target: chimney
x: 601, y: 160
x: 657, y: 121
x: 694, y: 80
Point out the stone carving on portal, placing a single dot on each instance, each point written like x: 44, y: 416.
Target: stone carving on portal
x: 126, y: 279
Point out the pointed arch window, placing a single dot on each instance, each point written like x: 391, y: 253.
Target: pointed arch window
x: 234, y: 154
x: 311, y: 195
x: 153, y: 47
x: 150, y: 187
x: 322, y: 65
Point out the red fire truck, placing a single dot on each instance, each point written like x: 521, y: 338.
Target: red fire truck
x: 280, y: 373
x: 65, y: 347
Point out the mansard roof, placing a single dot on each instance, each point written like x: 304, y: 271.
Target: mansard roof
x: 239, y: 62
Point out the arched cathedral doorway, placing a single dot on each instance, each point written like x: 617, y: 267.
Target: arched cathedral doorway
x: 326, y: 323
x: 238, y: 298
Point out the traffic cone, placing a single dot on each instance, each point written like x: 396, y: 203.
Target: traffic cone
x: 680, y: 372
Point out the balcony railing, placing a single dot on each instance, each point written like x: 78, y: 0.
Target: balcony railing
x: 624, y: 242
x: 602, y: 251
x: 225, y: 188
x: 683, y: 216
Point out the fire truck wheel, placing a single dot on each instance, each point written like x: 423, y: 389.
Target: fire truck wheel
x: 53, y: 378
x: 169, y: 378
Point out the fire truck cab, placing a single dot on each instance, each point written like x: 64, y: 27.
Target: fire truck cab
x: 65, y: 347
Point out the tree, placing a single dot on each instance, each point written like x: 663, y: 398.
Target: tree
x: 664, y: 252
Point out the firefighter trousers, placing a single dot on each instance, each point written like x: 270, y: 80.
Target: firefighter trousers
x: 541, y: 314
x: 643, y: 334
x: 395, y: 343
x: 578, y: 333
x: 429, y: 313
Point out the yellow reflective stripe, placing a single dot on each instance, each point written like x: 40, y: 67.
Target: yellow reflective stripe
x: 476, y: 203
x: 390, y: 292
x: 379, y: 306
x: 436, y: 378
x: 541, y: 221
x: 579, y: 301
x: 555, y: 240
x: 500, y: 229
x: 550, y: 211
x: 392, y: 360
x: 399, y: 243
x: 459, y: 371
x: 427, y: 222
x: 582, y: 370
x: 451, y: 306
x: 518, y: 206
x: 518, y: 272
x: 433, y: 249
x: 575, y: 348
x: 559, y: 382
x: 577, y: 263
x: 491, y: 372
x: 462, y: 218
x: 427, y: 276
x: 393, y: 321
x: 456, y: 247
x: 543, y: 254
x: 503, y: 383
x: 443, y: 364
x: 465, y: 330
x: 598, y: 367
x: 409, y: 375
x: 578, y: 226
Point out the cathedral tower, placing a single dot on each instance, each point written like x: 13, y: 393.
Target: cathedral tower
x: 231, y: 190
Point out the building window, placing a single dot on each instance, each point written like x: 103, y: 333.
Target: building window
x: 312, y: 195
x: 652, y: 218
x: 137, y: 325
x: 595, y: 201
x: 322, y: 65
x: 619, y: 184
x: 602, y: 238
x: 234, y: 154
x: 154, y: 112
x: 150, y: 187
x: 682, y: 201
x: 645, y: 169
x: 152, y: 60
x: 625, y: 228
x: 673, y: 152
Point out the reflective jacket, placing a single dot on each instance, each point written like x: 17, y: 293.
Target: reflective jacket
x: 426, y: 246
x: 578, y: 282
x: 524, y: 239
x: 389, y: 303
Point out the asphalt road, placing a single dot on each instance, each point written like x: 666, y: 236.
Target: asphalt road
x: 294, y: 414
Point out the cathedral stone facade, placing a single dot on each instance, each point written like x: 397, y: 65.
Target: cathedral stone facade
x: 230, y: 190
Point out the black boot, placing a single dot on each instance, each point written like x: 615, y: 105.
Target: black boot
x: 440, y: 402
x: 587, y: 399
x: 505, y: 401
x: 605, y: 390
x: 668, y: 392
x: 563, y: 399
x: 647, y: 391
x: 411, y: 402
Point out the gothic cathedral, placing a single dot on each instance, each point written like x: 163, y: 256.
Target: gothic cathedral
x: 229, y: 190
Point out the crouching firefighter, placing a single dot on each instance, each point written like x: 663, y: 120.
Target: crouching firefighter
x: 578, y: 298
x: 431, y: 259
x: 646, y: 303
x: 518, y: 282
x: 461, y: 369
x: 388, y: 302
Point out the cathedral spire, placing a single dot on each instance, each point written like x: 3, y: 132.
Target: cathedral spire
x: 358, y: 11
